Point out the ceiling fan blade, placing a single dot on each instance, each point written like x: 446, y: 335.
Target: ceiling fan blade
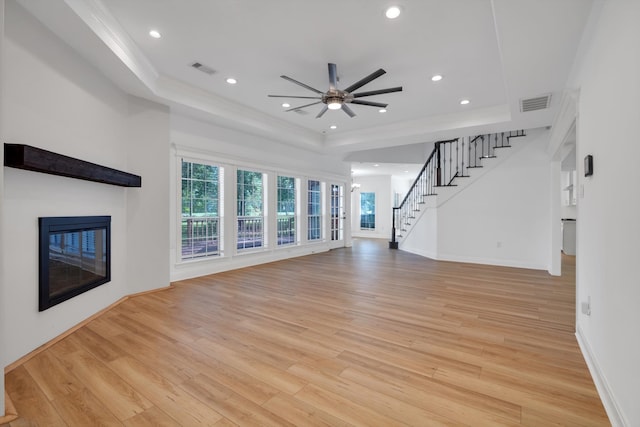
x: 321, y: 113
x: 333, y: 76
x: 369, y: 78
x: 303, y: 106
x: 377, y: 92
x: 348, y: 110
x: 301, y: 84
x: 290, y: 96
x: 371, y: 104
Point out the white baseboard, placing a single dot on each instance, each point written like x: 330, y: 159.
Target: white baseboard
x: 420, y: 252
x: 213, y: 265
x: 492, y: 261
x: 474, y: 260
x: 614, y: 413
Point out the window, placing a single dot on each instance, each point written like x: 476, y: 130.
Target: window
x: 250, y: 209
x: 367, y: 211
x: 314, y: 210
x: 200, y: 220
x: 286, y: 227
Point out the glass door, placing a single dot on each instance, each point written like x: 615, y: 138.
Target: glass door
x: 338, y: 212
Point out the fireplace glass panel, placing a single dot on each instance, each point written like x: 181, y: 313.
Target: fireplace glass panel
x: 74, y: 257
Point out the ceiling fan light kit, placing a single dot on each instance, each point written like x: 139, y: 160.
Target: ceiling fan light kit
x: 336, y: 99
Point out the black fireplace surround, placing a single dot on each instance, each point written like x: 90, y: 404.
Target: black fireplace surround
x: 75, y: 256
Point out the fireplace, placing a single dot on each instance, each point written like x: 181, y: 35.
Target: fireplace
x: 75, y: 256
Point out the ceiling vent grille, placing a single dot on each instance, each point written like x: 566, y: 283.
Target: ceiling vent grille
x: 204, y: 68
x: 301, y: 112
x: 537, y: 103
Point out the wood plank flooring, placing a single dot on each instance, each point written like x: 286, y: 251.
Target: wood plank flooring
x: 360, y: 336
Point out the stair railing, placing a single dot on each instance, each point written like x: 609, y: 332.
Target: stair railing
x: 449, y: 160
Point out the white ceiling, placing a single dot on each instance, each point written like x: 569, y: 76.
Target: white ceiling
x: 492, y: 52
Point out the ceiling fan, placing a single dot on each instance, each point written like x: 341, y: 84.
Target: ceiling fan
x: 335, y: 99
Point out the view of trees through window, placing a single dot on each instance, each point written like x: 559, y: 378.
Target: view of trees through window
x: 202, y: 210
x: 367, y: 211
x: 200, y: 221
x: 286, y: 210
x: 250, y: 209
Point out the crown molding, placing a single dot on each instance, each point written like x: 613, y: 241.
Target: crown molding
x: 425, y: 129
x: 98, y: 18
x: 164, y: 89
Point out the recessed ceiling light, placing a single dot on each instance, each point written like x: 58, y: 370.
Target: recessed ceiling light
x: 333, y: 127
x: 464, y: 102
x: 376, y: 165
x: 393, y: 12
x: 285, y: 105
x: 406, y: 171
x: 436, y: 78
x: 155, y: 34
x: 382, y: 110
x: 231, y: 81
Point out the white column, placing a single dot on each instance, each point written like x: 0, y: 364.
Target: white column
x: 271, y: 209
x: 230, y: 218
x: 3, y: 322
x: 304, y: 211
x: 555, y: 257
x: 348, y: 240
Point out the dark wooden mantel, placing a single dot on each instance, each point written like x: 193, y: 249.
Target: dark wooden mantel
x: 38, y: 160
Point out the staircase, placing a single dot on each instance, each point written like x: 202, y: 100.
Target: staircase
x: 449, y: 160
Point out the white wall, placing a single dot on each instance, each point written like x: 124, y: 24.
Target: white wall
x: 198, y: 140
x: 570, y: 212
x: 608, y: 229
x: 3, y: 344
x: 56, y: 101
x: 423, y: 239
x: 503, y: 218
x: 381, y: 186
x: 401, y: 186
x: 500, y: 216
x: 148, y: 210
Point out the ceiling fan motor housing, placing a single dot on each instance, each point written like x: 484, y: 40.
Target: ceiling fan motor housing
x: 334, y: 98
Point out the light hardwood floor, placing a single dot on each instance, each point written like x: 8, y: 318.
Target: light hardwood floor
x: 360, y: 336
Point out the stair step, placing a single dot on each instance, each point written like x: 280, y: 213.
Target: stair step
x: 487, y: 157
x: 502, y: 146
x: 431, y: 194
x: 474, y: 167
x: 450, y: 185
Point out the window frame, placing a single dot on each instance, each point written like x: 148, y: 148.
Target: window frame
x: 264, y: 226
x: 374, y: 211
x: 320, y: 215
x: 220, y: 210
x: 295, y: 214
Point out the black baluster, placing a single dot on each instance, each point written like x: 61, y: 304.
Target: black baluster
x: 438, y: 160
x: 463, y: 171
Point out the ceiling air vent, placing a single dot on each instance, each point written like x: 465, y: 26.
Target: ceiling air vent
x: 301, y: 112
x: 533, y: 104
x: 204, y: 68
